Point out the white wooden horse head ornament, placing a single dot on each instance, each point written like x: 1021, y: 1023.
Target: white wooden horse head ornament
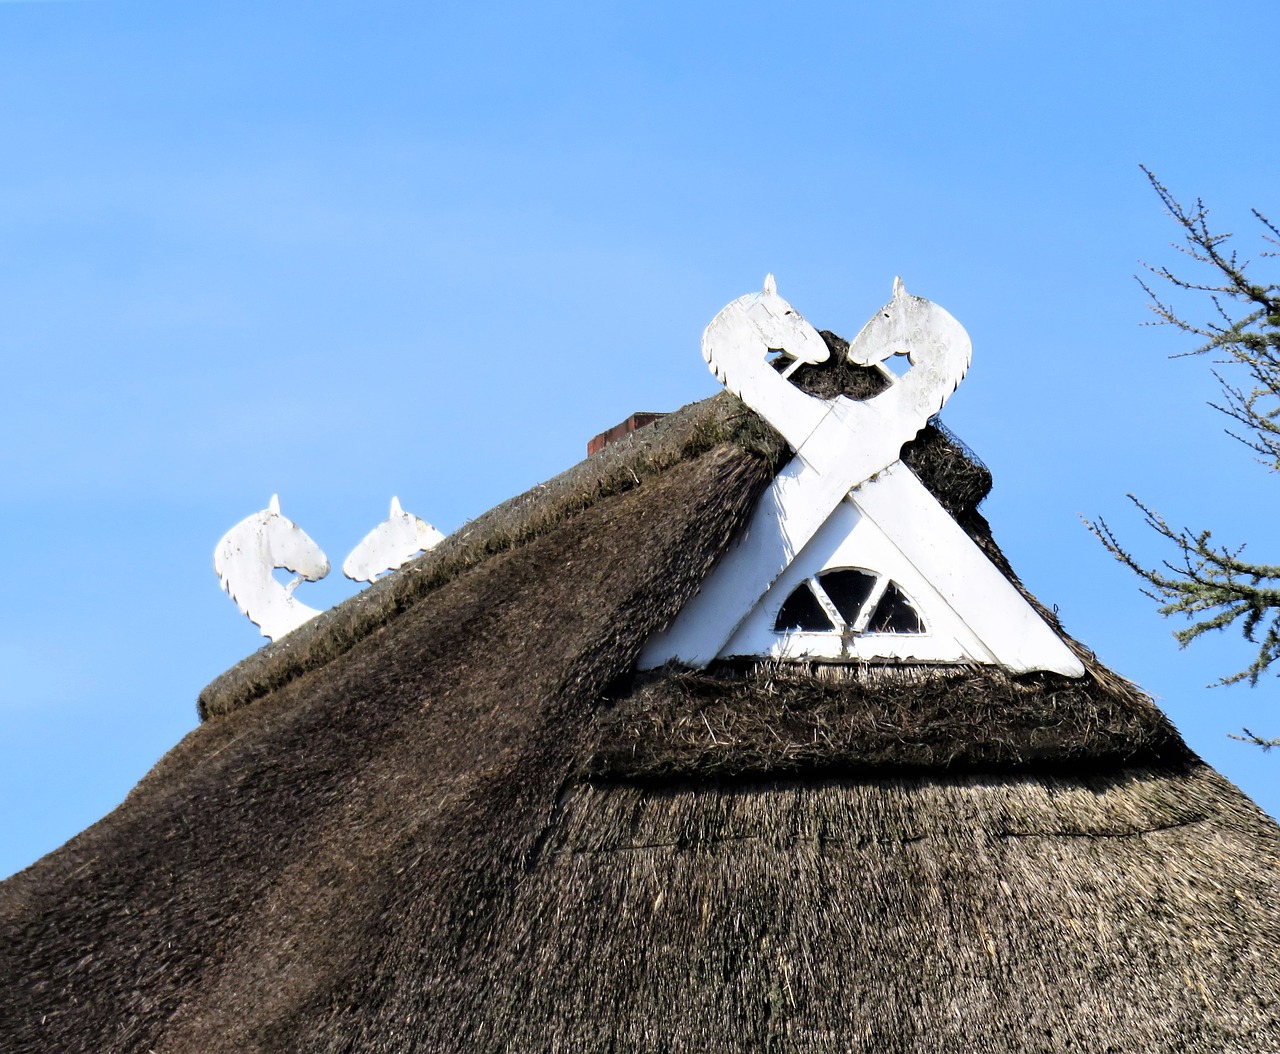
x: 847, y: 486
x: 248, y: 553
x: 739, y: 339
x: 395, y: 541
x: 246, y: 556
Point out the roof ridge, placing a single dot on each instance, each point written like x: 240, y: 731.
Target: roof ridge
x: 686, y: 433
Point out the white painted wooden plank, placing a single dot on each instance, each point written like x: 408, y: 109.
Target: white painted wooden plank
x: 850, y: 539
x: 839, y: 443
x: 974, y: 613
x: 974, y: 588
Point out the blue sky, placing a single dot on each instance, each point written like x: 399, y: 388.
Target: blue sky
x: 342, y: 250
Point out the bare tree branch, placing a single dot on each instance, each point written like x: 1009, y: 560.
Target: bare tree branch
x: 1250, y: 341
x: 1211, y: 585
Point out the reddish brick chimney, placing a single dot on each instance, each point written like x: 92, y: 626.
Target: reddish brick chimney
x: 617, y: 432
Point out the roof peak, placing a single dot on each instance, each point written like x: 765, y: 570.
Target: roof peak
x: 845, y: 508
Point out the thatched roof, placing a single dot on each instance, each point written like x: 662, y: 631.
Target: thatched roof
x: 449, y: 816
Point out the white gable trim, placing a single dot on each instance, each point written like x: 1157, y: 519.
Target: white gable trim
x: 976, y: 590
x: 847, y: 497
x: 893, y: 526
x: 850, y: 539
x: 784, y: 520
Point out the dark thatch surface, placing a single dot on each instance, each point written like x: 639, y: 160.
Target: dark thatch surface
x: 249, y: 884
x: 775, y: 719
x: 450, y: 817
x: 1131, y: 911
x: 623, y: 465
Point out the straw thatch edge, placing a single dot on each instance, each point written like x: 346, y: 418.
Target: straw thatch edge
x: 946, y: 467
x: 626, y: 464
x: 766, y: 719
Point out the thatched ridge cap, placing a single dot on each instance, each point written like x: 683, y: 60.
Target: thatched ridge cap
x: 643, y: 454
x: 944, y: 464
x: 766, y: 719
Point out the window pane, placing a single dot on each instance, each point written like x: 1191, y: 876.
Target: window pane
x: 848, y: 591
x: 894, y: 614
x: 803, y: 612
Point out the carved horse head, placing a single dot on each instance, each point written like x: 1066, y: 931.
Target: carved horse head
x: 781, y: 328
x: 934, y: 343
x: 396, y: 540
x: 248, y: 553
x: 737, y: 343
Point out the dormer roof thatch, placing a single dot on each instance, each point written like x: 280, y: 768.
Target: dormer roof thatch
x: 449, y: 815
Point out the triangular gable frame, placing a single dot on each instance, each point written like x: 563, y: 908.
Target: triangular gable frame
x: 810, y: 519
x: 851, y: 539
x: 894, y: 527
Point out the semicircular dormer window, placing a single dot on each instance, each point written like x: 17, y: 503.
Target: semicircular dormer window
x: 848, y: 600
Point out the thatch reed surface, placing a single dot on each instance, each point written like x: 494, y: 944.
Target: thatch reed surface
x: 449, y: 817
x: 642, y: 455
x: 1127, y: 912
x: 249, y: 886
x: 780, y: 718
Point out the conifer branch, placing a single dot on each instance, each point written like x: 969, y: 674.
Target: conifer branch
x: 1213, y: 586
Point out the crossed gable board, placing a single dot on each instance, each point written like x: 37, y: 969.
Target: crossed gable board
x: 891, y: 526
x: 810, y: 522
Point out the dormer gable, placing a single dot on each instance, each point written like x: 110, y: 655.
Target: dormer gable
x: 847, y: 556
